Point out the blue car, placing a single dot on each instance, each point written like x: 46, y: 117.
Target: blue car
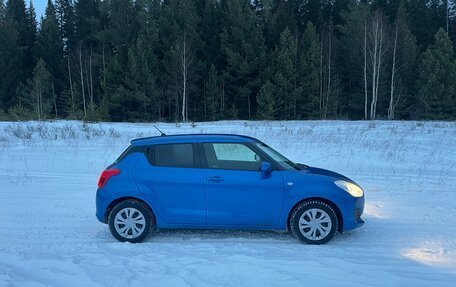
x: 216, y: 181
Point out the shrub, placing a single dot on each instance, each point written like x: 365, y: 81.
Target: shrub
x: 19, y: 131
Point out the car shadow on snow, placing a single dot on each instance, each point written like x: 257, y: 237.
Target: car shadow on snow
x: 222, y: 235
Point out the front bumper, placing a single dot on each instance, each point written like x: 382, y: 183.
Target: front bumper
x: 352, y: 214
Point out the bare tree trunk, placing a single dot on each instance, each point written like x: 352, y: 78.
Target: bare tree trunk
x: 88, y: 84
x: 365, y: 70
x: 380, y: 57
x: 186, y: 108
x: 91, y: 80
x: 104, y: 68
x: 40, y: 103
x: 186, y: 61
x: 38, y: 100
x: 177, y: 105
x: 321, y: 77
x: 393, y: 71
x: 222, y: 96
x: 248, y: 104
x: 145, y: 99
x: 374, y: 66
x: 376, y: 56
x: 295, y: 78
x: 184, y: 90
x: 71, y: 84
x: 204, y: 100
x: 328, y: 89
x: 82, y: 79
x: 213, y: 104
x: 54, y: 96
x: 184, y: 93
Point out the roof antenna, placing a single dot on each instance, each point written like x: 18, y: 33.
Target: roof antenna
x: 161, y: 133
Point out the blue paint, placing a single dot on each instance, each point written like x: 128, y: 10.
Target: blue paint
x: 212, y: 198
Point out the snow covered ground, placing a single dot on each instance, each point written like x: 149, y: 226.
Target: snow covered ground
x: 49, y: 234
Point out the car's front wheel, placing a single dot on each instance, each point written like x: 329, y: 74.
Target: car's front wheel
x: 314, y: 222
x: 130, y: 220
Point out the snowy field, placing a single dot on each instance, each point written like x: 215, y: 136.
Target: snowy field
x: 49, y: 235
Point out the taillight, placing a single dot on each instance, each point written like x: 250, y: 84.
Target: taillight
x: 106, y: 175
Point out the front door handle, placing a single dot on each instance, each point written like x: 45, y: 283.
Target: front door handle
x: 214, y: 179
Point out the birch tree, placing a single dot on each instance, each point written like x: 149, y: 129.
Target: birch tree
x: 185, y: 62
x: 376, y: 52
x: 326, y: 70
x: 392, y: 101
x: 41, y: 90
x: 403, y: 57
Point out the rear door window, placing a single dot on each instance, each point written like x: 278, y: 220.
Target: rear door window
x: 173, y: 155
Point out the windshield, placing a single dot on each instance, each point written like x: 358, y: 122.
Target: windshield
x: 280, y: 159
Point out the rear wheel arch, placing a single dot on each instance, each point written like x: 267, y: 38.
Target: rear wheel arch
x: 324, y: 200
x: 120, y: 199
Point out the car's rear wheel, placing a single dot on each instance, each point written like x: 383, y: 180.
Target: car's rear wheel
x: 314, y: 222
x: 130, y: 220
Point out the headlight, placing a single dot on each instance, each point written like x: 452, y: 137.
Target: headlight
x: 349, y: 187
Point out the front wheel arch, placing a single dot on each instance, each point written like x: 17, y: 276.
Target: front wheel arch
x: 328, y: 202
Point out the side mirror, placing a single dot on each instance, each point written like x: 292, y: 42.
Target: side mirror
x: 266, y: 168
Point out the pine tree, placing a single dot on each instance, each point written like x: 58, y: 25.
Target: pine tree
x: 311, y: 11
x: 212, y: 101
x: 187, y: 45
x: 284, y: 73
x: 308, y: 103
x: 226, y: 59
x: 10, y: 59
x: 114, y: 84
x: 269, y: 104
x: 87, y: 21
x: 30, y: 18
x: 86, y: 52
x: 51, y: 51
x: 437, y: 79
x: 41, y: 90
x: 281, y: 15
x: 351, y: 60
x: 419, y: 13
x: 243, y: 51
x: 403, y: 71
x: 24, y: 24
x: 64, y: 10
x: 211, y: 60
x: 210, y: 34
x: 140, y: 80
x: 452, y: 20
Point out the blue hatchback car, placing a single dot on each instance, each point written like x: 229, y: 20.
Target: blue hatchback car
x: 215, y: 181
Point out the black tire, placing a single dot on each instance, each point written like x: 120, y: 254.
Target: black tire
x: 303, y: 208
x: 141, y: 208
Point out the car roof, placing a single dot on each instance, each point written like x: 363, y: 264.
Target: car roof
x: 186, y: 138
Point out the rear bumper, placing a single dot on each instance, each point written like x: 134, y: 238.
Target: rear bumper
x: 102, y: 203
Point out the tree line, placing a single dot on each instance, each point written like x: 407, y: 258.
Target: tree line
x: 195, y: 60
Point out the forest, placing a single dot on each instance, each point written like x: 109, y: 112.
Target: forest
x: 208, y: 60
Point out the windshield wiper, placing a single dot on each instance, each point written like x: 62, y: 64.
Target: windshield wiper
x: 300, y: 165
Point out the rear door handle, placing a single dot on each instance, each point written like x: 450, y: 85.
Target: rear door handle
x: 214, y: 179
